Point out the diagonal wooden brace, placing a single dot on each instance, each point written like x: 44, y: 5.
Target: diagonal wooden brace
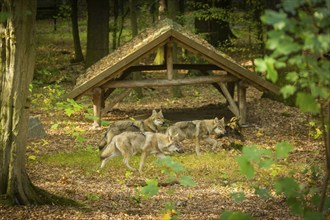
x: 232, y: 105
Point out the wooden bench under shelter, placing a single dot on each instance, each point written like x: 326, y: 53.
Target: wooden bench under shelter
x: 218, y: 69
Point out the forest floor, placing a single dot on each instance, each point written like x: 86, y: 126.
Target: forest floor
x: 66, y: 162
x: 64, y: 166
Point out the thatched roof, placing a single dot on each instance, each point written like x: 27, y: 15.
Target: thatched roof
x: 113, y: 65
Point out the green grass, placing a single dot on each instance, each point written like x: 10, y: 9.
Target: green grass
x: 218, y: 168
x: 86, y: 159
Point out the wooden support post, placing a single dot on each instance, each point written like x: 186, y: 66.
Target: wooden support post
x: 169, y: 60
x: 97, y: 106
x: 232, y: 105
x: 241, y: 90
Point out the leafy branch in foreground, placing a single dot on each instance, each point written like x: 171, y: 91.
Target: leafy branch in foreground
x: 299, y: 43
x: 302, y: 200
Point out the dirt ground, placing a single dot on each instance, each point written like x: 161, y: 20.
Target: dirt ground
x: 110, y: 196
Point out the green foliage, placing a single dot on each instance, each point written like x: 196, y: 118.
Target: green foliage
x: 228, y: 215
x: 48, y: 97
x: 34, y: 148
x: 187, y: 181
x: 283, y: 149
x: 150, y: 189
x: 262, y: 193
x: 70, y: 107
x: 92, y: 197
x: 299, y: 40
x: 300, y: 199
x: 45, y: 75
x: 4, y: 16
x: 64, y: 11
x: 315, y: 131
x: 238, y: 196
x: 251, y: 157
x: 205, y: 11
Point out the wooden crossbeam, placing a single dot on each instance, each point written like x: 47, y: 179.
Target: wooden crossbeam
x: 175, y: 66
x: 165, y: 82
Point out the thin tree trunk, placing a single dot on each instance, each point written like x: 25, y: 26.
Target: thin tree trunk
x: 326, y: 138
x: 173, y: 12
x: 115, y: 24
x: 97, y: 31
x: 75, y: 32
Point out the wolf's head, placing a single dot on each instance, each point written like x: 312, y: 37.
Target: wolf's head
x: 106, y: 139
x: 157, y: 118
x: 219, y: 126
x: 169, y: 144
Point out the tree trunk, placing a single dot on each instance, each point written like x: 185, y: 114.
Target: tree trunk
x: 75, y: 32
x: 115, y: 23
x: 97, y: 30
x: 134, y: 28
x: 218, y: 30
x: 173, y: 11
x: 16, y: 72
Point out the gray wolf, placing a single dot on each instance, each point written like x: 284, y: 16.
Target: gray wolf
x: 129, y: 143
x: 198, y: 129
x: 153, y: 124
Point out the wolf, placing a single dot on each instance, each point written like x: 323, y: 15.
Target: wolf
x: 198, y: 129
x: 129, y: 143
x: 153, y: 124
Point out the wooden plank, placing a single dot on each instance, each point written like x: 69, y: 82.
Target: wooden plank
x: 97, y: 106
x: 166, y: 82
x: 232, y: 105
x: 119, y: 67
x: 115, y: 100
x: 241, y: 90
x: 224, y: 63
x: 178, y: 66
x: 169, y: 61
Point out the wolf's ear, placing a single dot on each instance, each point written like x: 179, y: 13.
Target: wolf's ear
x: 222, y: 119
x: 154, y: 112
x: 161, y: 113
x: 216, y: 120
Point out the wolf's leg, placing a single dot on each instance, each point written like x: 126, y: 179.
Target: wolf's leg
x: 160, y: 156
x: 197, y: 143
x: 212, y: 142
x: 143, y: 157
x: 126, y: 162
x: 104, y: 161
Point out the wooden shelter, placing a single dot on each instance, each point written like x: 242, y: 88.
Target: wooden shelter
x: 218, y: 69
